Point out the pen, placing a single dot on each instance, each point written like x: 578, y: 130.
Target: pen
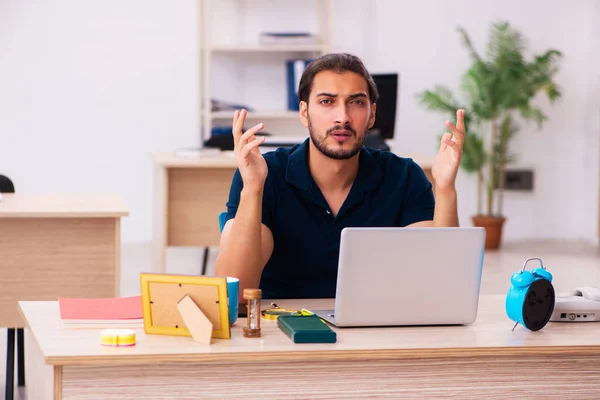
x: 308, y: 313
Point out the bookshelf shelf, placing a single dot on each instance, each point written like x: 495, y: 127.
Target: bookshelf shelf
x: 267, y: 48
x: 220, y: 115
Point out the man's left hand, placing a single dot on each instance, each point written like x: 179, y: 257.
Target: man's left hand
x: 447, y: 161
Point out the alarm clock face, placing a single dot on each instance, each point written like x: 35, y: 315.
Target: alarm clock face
x: 538, y: 304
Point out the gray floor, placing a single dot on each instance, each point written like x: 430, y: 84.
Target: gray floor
x: 572, y: 264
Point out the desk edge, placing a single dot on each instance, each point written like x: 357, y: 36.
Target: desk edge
x: 327, y: 355
x: 64, y: 214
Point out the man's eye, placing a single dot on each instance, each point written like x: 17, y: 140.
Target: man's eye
x: 359, y: 102
x: 325, y: 101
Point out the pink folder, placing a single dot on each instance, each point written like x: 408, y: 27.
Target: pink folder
x: 108, y: 309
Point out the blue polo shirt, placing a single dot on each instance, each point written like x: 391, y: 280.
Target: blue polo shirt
x: 388, y: 191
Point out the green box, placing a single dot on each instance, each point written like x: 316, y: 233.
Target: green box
x: 306, y: 329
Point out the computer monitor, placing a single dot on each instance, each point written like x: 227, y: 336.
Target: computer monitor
x: 385, y: 120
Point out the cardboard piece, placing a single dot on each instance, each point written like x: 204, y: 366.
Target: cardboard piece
x: 196, y: 321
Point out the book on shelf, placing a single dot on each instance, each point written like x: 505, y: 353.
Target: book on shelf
x: 294, y: 71
x: 121, y: 312
x: 288, y: 38
x: 283, y: 140
x: 221, y: 105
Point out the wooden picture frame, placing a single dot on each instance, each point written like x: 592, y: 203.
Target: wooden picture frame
x: 162, y: 292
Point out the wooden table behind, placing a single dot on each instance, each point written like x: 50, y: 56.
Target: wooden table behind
x: 189, y: 194
x: 58, y: 245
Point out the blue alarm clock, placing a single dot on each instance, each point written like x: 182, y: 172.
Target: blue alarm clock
x: 530, y: 299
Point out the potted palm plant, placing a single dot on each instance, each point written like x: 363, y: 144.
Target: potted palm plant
x: 495, y: 88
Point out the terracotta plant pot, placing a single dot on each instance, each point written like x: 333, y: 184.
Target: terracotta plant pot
x: 493, y: 229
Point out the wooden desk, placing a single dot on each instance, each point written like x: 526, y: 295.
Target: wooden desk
x: 189, y: 194
x: 58, y: 245
x: 483, y: 360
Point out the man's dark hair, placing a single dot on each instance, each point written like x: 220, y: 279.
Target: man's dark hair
x: 337, y: 62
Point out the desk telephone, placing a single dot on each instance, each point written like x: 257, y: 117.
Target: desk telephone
x: 582, y: 304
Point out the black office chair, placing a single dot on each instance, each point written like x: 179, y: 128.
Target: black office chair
x: 7, y: 186
x: 205, y: 260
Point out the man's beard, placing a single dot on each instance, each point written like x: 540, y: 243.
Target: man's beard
x: 337, y: 153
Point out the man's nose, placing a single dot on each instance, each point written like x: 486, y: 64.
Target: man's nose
x: 342, y: 116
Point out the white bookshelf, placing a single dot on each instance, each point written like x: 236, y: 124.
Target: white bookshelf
x: 244, y: 49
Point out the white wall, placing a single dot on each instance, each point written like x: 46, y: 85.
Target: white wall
x: 89, y: 89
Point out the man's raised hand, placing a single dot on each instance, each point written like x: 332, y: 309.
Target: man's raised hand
x: 250, y: 162
x: 447, y: 161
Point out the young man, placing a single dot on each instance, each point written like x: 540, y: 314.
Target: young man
x: 287, y: 208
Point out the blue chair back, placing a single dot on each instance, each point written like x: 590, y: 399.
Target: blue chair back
x: 222, y: 220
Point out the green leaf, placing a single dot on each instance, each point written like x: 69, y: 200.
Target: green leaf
x: 474, y: 156
x: 439, y: 99
x: 476, y: 85
x: 532, y: 113
x: 468, y: 44
x: 552, y: 91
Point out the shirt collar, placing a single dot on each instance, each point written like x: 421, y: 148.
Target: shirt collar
x: 297, y: 172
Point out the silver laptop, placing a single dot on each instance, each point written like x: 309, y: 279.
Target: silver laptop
x: 407, y: 276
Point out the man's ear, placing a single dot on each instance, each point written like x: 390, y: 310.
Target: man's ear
x: 304, y: 113
x: 372, y: 116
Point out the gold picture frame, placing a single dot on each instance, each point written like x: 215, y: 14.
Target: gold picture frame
x: 162, y: 292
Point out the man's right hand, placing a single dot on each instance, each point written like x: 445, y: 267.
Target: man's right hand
x: 251, y: 163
